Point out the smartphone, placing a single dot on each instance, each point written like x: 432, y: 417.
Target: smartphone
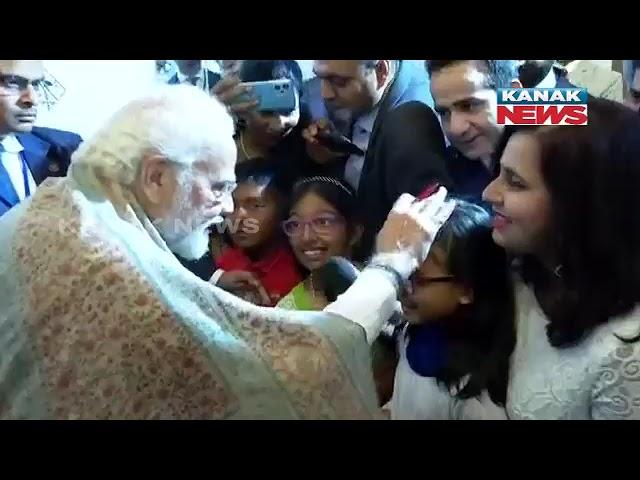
x: 273, y: 95
x: 427, y: 192
x: 336, y: 142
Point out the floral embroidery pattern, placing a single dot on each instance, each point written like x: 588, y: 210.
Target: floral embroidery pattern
x: 109, y: 347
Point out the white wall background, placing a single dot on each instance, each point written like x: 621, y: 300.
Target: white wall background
x: 96, y: 89
x: 307, y: 68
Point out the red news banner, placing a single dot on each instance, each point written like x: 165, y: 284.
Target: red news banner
x: 542, y: 106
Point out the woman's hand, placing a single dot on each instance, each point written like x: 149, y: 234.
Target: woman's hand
x: 408, y: 233
x: 233, y: 95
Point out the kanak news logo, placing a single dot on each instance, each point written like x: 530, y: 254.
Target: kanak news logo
x: 542, y: 106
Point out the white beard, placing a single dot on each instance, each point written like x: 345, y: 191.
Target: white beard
x: 181, y: 238
x: 193, y: 246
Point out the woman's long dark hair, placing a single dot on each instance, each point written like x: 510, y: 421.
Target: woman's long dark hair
x: 479, y: 341
x: 592, y: 173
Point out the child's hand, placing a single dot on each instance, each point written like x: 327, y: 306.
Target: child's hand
x: 239, y: 282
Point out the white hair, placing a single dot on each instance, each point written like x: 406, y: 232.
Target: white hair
x: 180, y: 122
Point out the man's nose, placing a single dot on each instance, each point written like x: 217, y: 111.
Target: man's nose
x: 327, y: 91
x: 458, y: 124
x: 227, y: 204
x: 30, y: 96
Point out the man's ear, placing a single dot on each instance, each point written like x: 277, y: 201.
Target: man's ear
x: 383, y: 68
x: 515, y: 83
x: 154, y: 177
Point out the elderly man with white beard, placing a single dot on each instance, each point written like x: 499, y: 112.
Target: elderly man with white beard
x: 99, y: 320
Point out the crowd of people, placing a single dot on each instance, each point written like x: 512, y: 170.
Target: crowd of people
x: 178, y: 267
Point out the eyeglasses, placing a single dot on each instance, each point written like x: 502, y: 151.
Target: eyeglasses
x: 18, y: 84
x: 415, y: 282
x: 223, y: 189
x: 321, y: 225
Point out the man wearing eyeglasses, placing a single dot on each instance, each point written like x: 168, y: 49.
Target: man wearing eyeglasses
x: 401, y: 144
x: 98, y: 320
x: 29, y: 154
x: 193, y: 72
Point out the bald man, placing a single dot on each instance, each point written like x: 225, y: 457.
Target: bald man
x: 28, y: 154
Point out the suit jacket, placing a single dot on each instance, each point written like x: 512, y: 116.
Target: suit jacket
x: 406, y: 150
x: 47, y: 153
x: 212, y: 77
x: 470, y: 177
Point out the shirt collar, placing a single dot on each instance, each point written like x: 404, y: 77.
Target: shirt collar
x: 11, y: 144
x: 549, y: 81
x: 367, y: 121
x: 263, y: 265
x: 183, y: 78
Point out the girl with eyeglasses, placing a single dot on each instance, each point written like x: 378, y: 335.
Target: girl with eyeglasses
x: 454, y: 350
x: 322, y: 223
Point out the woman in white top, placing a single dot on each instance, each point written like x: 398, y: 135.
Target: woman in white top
x: 567, y: 205
x: 454, y: 353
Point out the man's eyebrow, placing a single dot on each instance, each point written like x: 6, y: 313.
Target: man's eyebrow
x: 39, y: 78
x: 330, y: 75
x: 457, y: 103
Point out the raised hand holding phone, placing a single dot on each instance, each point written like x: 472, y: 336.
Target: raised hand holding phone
x: 236, y: 96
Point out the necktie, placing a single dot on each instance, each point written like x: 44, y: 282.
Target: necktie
x: 355, y: 163
x: 25, y: 172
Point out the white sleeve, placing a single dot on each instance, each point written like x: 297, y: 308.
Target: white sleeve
x: 370, y: 301
x: 216, y: 276
x: 616, y: 393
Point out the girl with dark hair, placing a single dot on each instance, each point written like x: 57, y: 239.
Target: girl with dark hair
x: 454, y: 351
x: 566, y: 206
x: 323, y: 223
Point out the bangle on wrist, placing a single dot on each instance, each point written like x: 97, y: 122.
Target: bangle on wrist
x: 396, y: 278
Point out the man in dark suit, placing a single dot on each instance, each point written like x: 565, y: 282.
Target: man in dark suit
x: 193, y: 73
x: 28, y: 154
x: 543, y: 74
x: 465, y: 97
x: 392, y: 122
